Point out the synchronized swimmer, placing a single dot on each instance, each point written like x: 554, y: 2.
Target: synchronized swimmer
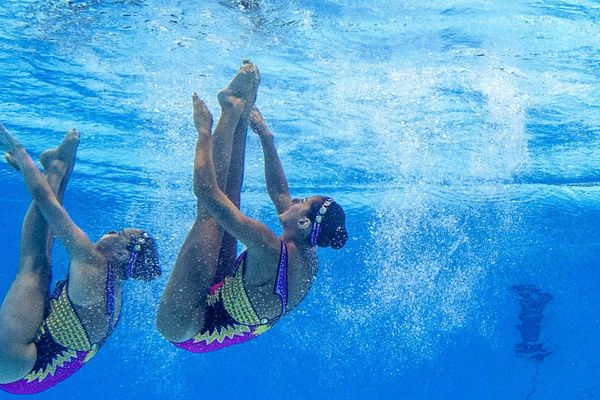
x: 200, y: 311
x: 45, y: 338
x: 213, y: 299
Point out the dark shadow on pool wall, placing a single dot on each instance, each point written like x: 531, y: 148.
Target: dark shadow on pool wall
x: 532, y: 301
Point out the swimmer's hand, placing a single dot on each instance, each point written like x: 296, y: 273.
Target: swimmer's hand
x: 9, y: 158
x: 7, y: 142
x: 258, y: 125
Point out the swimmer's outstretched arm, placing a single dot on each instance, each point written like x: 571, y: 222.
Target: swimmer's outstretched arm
x: 277, y: 184
x: 76, y: 241
x: 254, y: 234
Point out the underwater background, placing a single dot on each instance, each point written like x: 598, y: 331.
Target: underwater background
x: 461, y: 137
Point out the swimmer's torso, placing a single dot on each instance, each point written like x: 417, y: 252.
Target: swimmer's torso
x: 301, y: 273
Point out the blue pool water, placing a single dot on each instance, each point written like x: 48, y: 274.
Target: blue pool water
x: 462, y: 138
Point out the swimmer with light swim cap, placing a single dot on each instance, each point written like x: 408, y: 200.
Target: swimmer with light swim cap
x: 45, y: 338
x: 212, y: 299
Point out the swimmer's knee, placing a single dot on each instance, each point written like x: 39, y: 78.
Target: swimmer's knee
x: 34, y: 270
x: 172, y: 327
x: 168, y: 332
x: 33, y: 280
x: 172, y: 331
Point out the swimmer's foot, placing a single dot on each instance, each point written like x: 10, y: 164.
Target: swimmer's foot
x: 202, y: 117
x: 240, y: 94
x: 51, y: 159
x: 60, y: 161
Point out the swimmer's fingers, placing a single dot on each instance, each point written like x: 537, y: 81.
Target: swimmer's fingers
x: 257, y: 122
x: 7, y: 141
x: 9, y: 158
x: 256, y: 118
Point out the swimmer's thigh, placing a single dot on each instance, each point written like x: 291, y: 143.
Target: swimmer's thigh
x: 21, y: 315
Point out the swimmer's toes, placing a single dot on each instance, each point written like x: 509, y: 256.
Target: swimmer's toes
x: 72, y: 136
x: 69, y: 145
x: 256, y: 120
x: 64, y: 153
x: 243, y: 85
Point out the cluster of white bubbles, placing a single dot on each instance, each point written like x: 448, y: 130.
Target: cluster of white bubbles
x: 448, y: 140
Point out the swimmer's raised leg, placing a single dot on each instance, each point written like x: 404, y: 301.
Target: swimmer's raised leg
x: 236, y: 101
x: 235, y: 177
x: 58, y: 165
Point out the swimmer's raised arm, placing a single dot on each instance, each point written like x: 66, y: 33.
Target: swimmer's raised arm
x: 254, y: 234
x: 76, y: 241
x: 277, y: 184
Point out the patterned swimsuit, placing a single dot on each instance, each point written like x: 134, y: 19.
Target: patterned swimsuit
x: 230, y: 317
x: 63, y: 345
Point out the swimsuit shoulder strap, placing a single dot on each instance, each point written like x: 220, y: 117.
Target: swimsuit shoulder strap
x: 281, y: 286
x: 58, y: 289
x: 239, y: 261
x: 110, y: 298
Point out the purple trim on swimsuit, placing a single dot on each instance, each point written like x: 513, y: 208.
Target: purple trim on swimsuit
x: 203, y: 347
x: 239, y: 260
x: 281, y: 287
x: 110, y: 292
x: 24, y: 387
x: 130, y: 263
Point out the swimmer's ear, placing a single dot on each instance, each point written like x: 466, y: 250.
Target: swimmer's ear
x: 303, y: 223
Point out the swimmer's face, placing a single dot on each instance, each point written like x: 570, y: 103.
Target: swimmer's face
x: 297, y: 212
x: 117, y: 241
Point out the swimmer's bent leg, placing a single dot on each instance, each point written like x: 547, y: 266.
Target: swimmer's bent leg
x: 233, y: 190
